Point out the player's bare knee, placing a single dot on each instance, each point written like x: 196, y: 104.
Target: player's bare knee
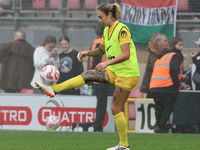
x: 115, y: 110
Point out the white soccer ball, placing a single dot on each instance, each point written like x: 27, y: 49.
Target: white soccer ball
x: 52, y: 123
x: 49, y: 75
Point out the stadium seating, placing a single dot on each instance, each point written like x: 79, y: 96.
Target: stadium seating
x: 135, y: 93
x: 91, y: 4
x: 54, y: 4
x: 38, y: 4
x: 74, y: 4
x: 26, y: 91
x: 132, y: 111
x: 182, y: 5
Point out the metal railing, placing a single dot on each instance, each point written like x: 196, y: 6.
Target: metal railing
x: 17, y: 20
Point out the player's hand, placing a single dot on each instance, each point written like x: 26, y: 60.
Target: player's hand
x: 101, y: 66
x: 82, y: 55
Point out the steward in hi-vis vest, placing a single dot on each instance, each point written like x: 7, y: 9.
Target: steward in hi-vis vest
x: 161, y: 74
x: 166, y: 73
x: 164, y: 86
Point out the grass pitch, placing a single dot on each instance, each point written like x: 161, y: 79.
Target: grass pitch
x: 49, y: 140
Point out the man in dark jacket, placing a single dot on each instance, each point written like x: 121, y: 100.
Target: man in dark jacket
x: 17, y: 66
x: 164, y: 86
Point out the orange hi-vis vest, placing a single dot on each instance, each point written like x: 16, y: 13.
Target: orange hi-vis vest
x: 161, y: 73
x: 97, y: 41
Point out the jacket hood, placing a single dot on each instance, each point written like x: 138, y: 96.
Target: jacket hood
x: 165, y: 51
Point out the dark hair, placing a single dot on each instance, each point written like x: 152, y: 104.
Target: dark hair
x: 99, y: 29
x: 49, y: 39
x: 173, y: 42
x: 64, y: 37
x: 113, y: 8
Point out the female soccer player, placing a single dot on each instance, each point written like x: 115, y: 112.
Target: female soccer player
x: 121, y: 67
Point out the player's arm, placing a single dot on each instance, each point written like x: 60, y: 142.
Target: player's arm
x: 96, y: 60
x: 98, y: 51
x: 95, y: 53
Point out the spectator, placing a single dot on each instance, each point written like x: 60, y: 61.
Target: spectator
x: 17, y: 67
x: 121, y: 67
x: 195, y: 68
x: 4, y: 5
x: 69, y: 65
x: 99, y: 89
x: 157, y: 43
x: 164, y: 86
x: 177, y: 44
x: 44, y: 55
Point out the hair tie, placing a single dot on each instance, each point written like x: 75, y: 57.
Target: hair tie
x: 157, y: 34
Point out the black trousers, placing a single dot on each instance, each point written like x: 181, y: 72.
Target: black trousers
x: 101, y: 92
x: 164, y: 106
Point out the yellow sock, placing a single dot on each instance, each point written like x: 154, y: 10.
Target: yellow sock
x: 69, y: 84
x: 121, y: 124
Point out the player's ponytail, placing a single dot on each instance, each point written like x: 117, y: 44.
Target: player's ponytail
x: 116, y: 10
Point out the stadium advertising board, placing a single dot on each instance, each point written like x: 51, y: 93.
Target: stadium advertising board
x: 145, y: 116
x: 29, y: 112
x: 140, y: 115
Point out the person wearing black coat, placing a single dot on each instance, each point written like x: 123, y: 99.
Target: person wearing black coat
x: 190, y: 84
x: 165, y: 96
x: 195, y: 68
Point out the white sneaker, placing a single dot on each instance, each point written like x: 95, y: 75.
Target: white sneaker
x: 46, y: 89
x: 119, y: 147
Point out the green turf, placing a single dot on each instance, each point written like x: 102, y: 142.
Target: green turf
x: 49, y: 140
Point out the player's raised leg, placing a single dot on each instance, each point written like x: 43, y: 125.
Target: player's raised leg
x: 78, y: 81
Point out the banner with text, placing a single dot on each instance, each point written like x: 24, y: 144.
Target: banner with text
x: 30, y: 112
x: 146, y: 17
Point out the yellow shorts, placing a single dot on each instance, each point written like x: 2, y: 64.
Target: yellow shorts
x: 127, y: 83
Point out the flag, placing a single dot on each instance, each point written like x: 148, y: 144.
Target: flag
x: 146, y: 17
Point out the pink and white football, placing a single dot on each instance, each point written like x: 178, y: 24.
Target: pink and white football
x: 49, y: 75
x: 53, y: 122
